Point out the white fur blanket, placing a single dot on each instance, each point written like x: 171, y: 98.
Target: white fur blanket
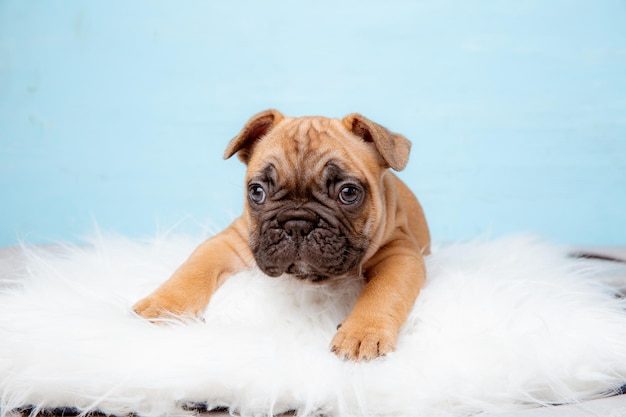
x: 499, y: 325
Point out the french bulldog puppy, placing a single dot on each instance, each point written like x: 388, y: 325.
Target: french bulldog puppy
x: 321, y: 204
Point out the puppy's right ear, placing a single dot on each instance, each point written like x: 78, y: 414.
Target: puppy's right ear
x: 258, y: 126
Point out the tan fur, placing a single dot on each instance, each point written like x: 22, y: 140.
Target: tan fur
x: 299, y: 148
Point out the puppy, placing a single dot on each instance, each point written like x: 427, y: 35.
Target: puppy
x: 321, y: 204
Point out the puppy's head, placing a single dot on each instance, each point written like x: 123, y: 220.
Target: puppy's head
x: 314, y: 202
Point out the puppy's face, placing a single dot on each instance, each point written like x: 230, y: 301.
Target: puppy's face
x: 309, y: 206
x: 313, y: 197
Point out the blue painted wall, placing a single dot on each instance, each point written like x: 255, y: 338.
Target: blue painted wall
x: 117, y: 112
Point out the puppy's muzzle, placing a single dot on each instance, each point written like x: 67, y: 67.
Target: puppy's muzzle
x: 301, y: 242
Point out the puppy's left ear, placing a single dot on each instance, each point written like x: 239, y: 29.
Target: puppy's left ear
x: 392, y: 147
x: 258, y: 126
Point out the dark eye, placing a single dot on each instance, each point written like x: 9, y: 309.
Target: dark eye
x: 256, y: 194
x: 349, y: 194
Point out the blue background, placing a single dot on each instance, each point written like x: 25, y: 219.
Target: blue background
x: 116, y: 113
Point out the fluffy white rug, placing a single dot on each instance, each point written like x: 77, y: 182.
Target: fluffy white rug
x: 500, y: 325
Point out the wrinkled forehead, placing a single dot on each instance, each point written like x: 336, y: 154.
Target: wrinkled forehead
x: 302, y: 148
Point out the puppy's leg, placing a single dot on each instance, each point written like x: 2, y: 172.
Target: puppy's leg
x: 395, y: 276
x: 188, y: 291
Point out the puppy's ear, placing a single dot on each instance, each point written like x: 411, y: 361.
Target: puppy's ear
x: 257, y: 127
x: 392, y: 147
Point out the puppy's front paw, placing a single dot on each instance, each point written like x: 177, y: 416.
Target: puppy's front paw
x: 363, y: 341
x: 155, y: 306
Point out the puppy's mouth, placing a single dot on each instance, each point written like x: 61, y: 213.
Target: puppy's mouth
x: 315, y: 279
x: 305, y: 275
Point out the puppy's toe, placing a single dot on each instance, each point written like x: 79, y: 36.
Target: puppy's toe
x: 373, y: 346
x: 345, y: 347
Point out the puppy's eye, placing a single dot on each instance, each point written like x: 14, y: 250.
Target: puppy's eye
x: 256, y: 194
x: 349, y: 194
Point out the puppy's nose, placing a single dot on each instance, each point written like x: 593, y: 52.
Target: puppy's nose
x: 298, y: 227
x: 297, y: 222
